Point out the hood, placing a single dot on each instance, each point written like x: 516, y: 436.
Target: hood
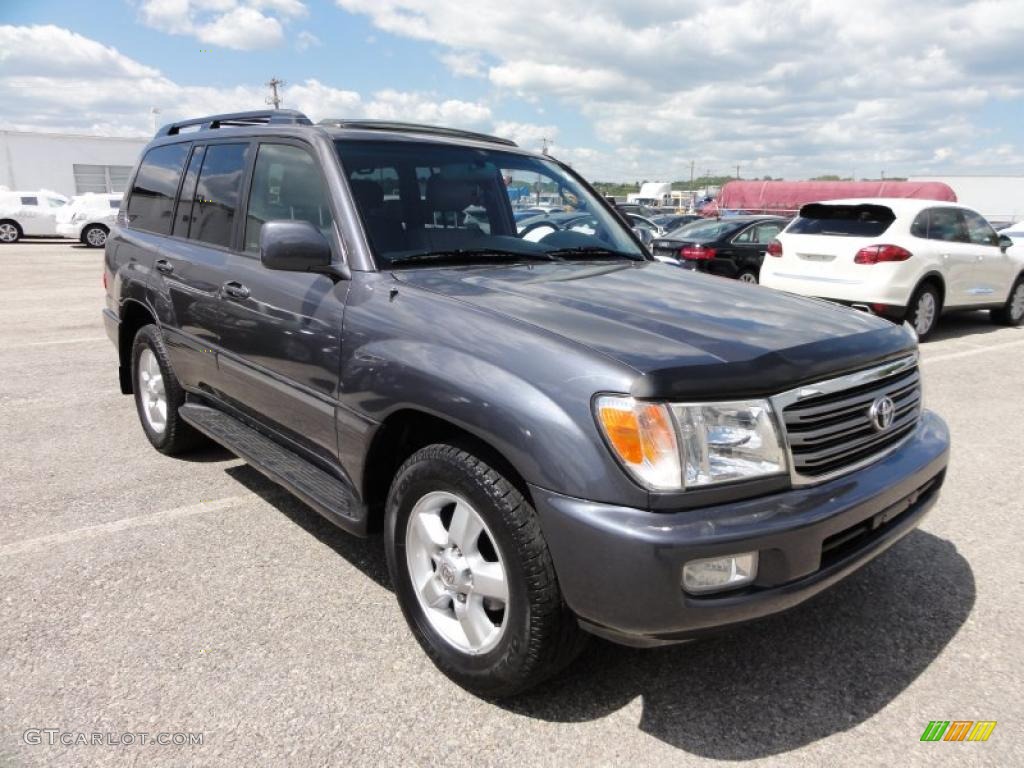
x: 687, y: 334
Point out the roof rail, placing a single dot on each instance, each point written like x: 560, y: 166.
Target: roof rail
x: 434, y: 130
x: 239, y: 119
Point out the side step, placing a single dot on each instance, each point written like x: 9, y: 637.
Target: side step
x: 322, y: 491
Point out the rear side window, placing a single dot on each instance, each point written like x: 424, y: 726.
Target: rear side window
x: 152, y: 198
x: 842, y: 220
x: 945, y: 224
x: 115, y: 204
x: 30, y: 201
x: 217, y: 194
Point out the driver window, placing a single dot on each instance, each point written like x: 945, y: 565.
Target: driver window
x: 286, y: 184
x: 980, y: 231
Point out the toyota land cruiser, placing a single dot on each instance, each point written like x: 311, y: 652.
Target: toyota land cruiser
x: 558, y: 437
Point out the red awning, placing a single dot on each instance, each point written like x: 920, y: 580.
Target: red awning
x: 786, y: 197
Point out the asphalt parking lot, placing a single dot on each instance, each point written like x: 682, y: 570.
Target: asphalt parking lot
x: 146, y: 594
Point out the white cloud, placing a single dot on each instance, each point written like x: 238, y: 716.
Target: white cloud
x: 237, y: 24
x: 306, y: 40
x: 243, y: 29
x: 797, y: 87
x: 463, y: 63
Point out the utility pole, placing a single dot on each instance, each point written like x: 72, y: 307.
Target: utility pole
x: 153, y: 112
x: 274, y: 97
x: 545, y: 144
x: 737, y: 170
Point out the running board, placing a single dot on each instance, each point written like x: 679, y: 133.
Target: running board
x: 319, y: 489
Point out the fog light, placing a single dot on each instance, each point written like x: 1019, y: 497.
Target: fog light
x: 715, y: 573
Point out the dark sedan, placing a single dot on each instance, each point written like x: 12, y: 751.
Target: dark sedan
x: 732, y: 247
x: 671, y: 221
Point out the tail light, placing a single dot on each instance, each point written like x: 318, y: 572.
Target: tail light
x: 774, y: 248
x: 873, y: 254
x: 696, y: 253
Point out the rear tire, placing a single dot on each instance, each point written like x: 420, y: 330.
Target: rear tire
x: 158, y: 395
x: 924, y: 310
x: 523, y: 632
x: 95, y: 236
x: 10, y: 231
x: 1012, y: 312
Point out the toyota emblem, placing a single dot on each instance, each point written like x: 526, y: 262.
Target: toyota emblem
x: 882, y: 413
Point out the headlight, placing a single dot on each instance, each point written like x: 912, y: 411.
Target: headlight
x: 671, y: 447
x: 724, y: 442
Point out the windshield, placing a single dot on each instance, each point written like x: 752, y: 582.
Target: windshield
x: 419, y: 199
x: 703, y: 231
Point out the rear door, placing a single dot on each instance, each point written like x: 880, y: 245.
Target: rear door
x: 32, y: 216
x: 993, y: 272
x: 747, y: 249
x: 281, y: 331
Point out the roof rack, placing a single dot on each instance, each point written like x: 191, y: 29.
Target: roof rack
x: 433, y: 130
x: 239, y: 119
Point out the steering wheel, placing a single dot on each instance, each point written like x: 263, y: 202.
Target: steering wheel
x: 538, y: 230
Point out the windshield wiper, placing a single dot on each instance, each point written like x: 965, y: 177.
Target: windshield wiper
x: 462, y: 255
x: 591, y: 252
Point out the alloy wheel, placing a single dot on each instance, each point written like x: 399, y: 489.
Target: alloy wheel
x: 748, y: 277
x: 152, y: 391
x: 924, y: 315
x: 8, y: 233
x: 457, y: 572
x: 1017, y: 303
x: 96, y: 237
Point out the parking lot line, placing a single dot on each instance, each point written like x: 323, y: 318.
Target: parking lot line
x: 56, y: 341
x: 969, y: 352
x: 93, y: 531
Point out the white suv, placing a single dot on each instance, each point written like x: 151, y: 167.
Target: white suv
x: 902, y: 258
x: 88, y: 218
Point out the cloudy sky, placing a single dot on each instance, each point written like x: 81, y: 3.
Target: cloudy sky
x: 624, y: 91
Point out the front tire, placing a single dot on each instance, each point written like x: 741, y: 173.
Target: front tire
x: 1012, y: 312
x: 158, y: 395
x: 10, y: 232
x: 924, y: 310
x: 473, y: 574
x: 95, y: 236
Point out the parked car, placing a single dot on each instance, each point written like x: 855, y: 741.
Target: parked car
x: 733, y: 247
x: 28, y: 214
x: 555, y: 438
x: 88, y: 218
x: 902, y: 258
x: 671, y: 221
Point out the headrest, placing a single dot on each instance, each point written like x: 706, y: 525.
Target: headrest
x: 369, y: 195
x: 301, y: 188
x: 447, y: 194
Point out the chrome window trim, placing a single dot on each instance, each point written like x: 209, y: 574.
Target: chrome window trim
x: 831, y: 386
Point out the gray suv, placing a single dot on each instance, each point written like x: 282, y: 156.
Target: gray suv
x: 557, y: 435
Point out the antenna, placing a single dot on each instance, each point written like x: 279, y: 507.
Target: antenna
x: 274, y: 98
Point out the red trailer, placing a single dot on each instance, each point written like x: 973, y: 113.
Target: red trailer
x: 786, y: 197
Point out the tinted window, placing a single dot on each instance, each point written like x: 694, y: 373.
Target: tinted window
x: 186, y: 199
x: 864, y: 220
x: 217, y: 194
x: 979, y: 231
x: 765, y: 233
x: 705, y: 231
x: 940, y: 224
x: 152, y: 197
x: 286, y: 184
x: 115, y: 204
x: 30, y: 201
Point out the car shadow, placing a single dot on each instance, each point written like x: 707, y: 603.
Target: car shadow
x: 209, y: 453
x: 365, y: 554
x: 776, y: 685
x: 759, y: 690
x: 957, y: 325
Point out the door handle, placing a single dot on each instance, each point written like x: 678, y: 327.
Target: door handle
x: 235, y: 290
x: 163, y: 265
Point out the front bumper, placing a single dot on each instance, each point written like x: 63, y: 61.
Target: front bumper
x: 619, y: 568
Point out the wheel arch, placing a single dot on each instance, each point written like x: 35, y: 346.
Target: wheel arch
x: 90, y: 224
x: 21, y: 230
x: 936, y: 279
x: 134, y: 315
x: 408, y: 430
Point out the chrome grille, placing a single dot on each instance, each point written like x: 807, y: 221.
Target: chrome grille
x: 829, y: 427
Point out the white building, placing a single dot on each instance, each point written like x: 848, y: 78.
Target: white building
x: 71, y: 164
x: 997, y: 198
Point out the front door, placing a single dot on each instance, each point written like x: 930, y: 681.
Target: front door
x: 993, y: 272
x: 282, y: 333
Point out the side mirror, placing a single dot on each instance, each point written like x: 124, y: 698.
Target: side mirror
x: 298, y: 246
x: 1005, y: 242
